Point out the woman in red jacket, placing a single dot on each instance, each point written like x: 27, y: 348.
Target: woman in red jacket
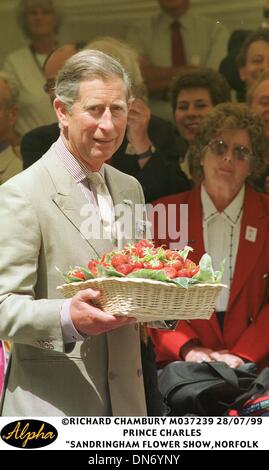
x: 227, y: 219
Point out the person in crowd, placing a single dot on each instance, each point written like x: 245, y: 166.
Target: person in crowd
x: 10, y: 163
x: 229, y: 220
x: 193, y: 96
x: 40, y: 21
x: 69, y: 357
x: 175, y: 37
x: 253, y: 57
x: 228, y: 66
x: 258, y: 100
x: 37, y: 141
x: 149, y: 151
x: 149, y: 147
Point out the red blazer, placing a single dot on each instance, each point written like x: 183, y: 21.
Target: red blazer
x: 246, y: 325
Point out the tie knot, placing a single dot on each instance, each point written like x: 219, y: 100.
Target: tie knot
x: 175, y: 25
x: 96, y: 179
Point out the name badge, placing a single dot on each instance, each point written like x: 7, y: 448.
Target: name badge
x: 251, y: 233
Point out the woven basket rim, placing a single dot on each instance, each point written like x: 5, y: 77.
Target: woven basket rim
x: 148, y: 299
x: 139, y: 280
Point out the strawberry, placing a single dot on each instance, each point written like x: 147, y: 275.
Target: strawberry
x: 194, y: 271
x: 92, y: 266
x: 124, y: 268
x: 176, y: 264
x: 137, y: 256
x: 78, y: 274
x: 170, y: 272
x: 142, y: 248
x: 173, y: 255
x: 119, y: 259
x: 75, y: 274
x: 183, y: 273
x: 136, y: 263
x: 191, y: 267
x: 153, y: 264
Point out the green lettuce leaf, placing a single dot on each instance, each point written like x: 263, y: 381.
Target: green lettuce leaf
x: 88, y: 274
x: 157, y: 275
x: 206, y: 272
x: 184, y: 281
x: 185, y: 252
x: 108, y: 272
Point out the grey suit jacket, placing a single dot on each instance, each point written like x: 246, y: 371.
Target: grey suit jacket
x: 42, y: 215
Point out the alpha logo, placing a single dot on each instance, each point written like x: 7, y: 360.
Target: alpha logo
x: 29, y: 434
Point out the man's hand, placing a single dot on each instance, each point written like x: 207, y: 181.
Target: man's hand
x: 90, y: 320
x: 137, y: 128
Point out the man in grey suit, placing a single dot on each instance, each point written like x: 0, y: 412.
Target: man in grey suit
x: 69, y: 357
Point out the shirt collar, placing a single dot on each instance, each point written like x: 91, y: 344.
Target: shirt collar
x: 76, y: 168
x: 184, y: 20
x: 231, y: 213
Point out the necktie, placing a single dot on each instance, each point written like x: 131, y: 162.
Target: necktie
x: 177, y: 46
x: 105, y: 203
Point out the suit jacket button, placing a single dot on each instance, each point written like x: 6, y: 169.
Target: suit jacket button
x: 139, y: 372
x: 251, y: 320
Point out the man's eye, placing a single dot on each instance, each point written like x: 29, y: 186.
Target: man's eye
x: 117, y: 109
x: 94, y: 110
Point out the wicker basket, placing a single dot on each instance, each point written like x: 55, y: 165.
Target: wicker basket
x: 149, y: 300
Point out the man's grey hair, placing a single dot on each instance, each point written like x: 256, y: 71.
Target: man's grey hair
x: 87, y: 65
x: 24, y: 6
x: 127, y: 56
x: 12, y: 88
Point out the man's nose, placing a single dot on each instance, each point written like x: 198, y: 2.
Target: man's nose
x: 106, y: 120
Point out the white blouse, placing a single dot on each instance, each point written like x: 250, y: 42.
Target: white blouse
x: 221, y: 231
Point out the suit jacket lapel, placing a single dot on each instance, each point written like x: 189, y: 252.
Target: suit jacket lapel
x: 254, y: 217
x: 71, y: 202
x: 124, y: 208
x: 117, y: 193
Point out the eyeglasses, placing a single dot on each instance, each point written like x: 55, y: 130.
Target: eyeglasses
x: 49, y: 86
x: 219, y: 148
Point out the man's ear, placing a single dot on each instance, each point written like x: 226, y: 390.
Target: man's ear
x: 129, y: 104
x: 61, y: 112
